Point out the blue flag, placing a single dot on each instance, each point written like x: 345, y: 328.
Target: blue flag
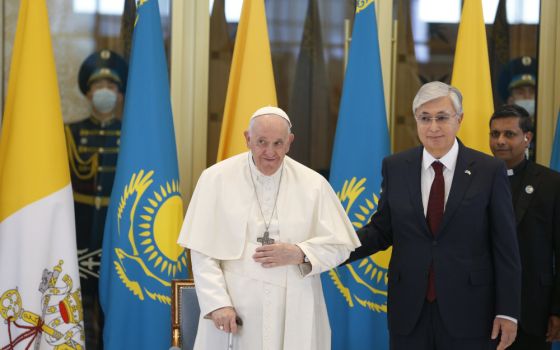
x: 555, y: 157
x: 356, y: 294
x: 555, y: 164
x: 140, y: 254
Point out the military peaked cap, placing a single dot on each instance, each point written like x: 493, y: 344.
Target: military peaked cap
x: 103, y: 64
x: 518, y: 72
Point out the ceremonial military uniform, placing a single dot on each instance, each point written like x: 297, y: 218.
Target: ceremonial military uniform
x: 518, y: 72
x: 93, y: 147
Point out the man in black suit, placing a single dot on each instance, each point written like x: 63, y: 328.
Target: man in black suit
x: 536, y: 199
x: 454, y: 275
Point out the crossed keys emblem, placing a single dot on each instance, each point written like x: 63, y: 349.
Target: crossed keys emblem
x: 61, y: 319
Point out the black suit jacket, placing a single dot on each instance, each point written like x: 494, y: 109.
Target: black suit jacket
x: 537, y: 211
x: 475, y: 253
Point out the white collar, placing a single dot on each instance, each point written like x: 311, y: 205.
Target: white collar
x: 449, y: 160
x: 259, y: 174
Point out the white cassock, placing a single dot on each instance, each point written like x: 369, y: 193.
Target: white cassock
x: 281, y: 307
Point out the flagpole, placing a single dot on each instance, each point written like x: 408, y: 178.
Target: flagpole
x: 393, y: 84
x: 347, y: 39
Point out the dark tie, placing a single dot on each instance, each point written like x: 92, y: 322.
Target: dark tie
x: 434, y: 214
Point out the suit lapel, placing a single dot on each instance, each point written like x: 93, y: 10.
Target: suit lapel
x: 414, y: 187
x: 530, y: 182
x: 461, y: 180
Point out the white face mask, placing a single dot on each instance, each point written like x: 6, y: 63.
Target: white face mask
x: 104, y: 100
x: 529, y: 105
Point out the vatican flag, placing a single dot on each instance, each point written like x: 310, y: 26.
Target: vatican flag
x: 40, y: 303
x: 471, y: 75
x: 251, y: 79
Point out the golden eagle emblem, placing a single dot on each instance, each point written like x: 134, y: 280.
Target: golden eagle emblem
x: 362, y: 4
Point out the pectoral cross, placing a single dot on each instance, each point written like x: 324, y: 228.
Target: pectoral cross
x: 265, y: 239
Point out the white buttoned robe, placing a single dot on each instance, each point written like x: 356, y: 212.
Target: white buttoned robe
x: 282, y: 307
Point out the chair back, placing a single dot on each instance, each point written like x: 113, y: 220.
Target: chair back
x: 185, y: 313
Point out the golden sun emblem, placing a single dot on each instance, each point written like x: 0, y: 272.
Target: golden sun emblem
x: 365, y: 284
x: 155, y: 221
x: 164, y: 209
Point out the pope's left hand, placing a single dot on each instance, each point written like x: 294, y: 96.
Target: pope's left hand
x: 278, y: 254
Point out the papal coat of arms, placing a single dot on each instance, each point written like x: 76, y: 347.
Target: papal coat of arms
x: 60, y: 320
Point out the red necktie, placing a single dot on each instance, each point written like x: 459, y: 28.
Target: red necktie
x: 434, y: 214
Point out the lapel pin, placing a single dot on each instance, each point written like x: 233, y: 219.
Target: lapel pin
x: 529, y: 189
x: 468, y: 172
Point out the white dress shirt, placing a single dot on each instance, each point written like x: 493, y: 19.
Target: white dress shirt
x: 427, y: 175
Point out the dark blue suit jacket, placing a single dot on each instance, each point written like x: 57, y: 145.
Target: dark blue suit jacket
x: 475, y: 253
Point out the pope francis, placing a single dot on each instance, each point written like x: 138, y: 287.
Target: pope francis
x: 261, y: 228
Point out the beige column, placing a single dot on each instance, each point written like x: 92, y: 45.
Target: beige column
x: 190, y: 34
x: 384, y: 12
x: 548, y: 102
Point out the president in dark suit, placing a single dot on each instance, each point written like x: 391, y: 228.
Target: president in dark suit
x: 454, y: 275
x: 536, y: 199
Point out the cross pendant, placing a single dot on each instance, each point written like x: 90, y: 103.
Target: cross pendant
x: 265, y: 239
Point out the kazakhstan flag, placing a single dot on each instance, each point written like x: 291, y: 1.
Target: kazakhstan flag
x: 356, y: 294
x: 555, y: 156
x: 140, y: 254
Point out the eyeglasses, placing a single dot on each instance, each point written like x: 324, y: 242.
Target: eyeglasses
x: 440, y: 119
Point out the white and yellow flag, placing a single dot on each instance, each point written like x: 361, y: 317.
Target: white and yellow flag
x: 251, y: 79
x: 40, y: 303
x: 471, y: 75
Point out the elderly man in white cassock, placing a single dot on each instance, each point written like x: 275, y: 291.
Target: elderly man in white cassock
x: 261, y: 228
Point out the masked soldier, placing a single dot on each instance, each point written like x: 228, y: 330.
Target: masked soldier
x: 93, y: 146
x: 518, y: 83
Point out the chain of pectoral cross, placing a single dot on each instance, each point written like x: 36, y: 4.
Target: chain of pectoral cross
x: 265, y: 239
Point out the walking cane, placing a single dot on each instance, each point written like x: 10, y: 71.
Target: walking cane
x: 239, y: 323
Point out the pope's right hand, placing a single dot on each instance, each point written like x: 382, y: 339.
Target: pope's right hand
x: 224, y: 319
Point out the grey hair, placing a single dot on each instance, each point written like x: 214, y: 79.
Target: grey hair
x: 434, y: 90
x: 252, y: 122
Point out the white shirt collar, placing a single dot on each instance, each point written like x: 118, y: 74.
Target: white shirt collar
x: 449, y: 160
